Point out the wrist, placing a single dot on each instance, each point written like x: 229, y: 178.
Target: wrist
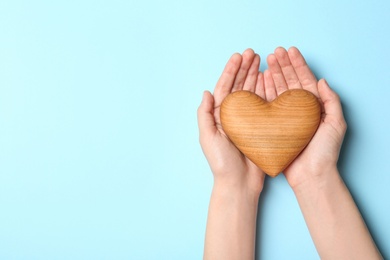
x: 235, y: 194
x: 317, y: 179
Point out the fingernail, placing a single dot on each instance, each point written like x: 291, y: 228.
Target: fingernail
x: 326, y: 83
x: 204, y: 95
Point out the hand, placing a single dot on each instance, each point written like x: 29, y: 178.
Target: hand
x: 227, y: 163
x: 288, y: 70
x: 231, y: 222
x: 335, y: 224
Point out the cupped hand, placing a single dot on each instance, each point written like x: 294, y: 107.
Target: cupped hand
x: 289, y: 70
x: 229, y: 166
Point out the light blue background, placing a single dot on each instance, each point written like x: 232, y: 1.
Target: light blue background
x: 99, y: 153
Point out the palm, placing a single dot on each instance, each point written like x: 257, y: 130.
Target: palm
x: 288, y: 70
x: 240, y: 73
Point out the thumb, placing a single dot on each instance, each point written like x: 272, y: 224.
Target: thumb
x: 206, y: 120
x: 332, y: 107
x: 330, y: 100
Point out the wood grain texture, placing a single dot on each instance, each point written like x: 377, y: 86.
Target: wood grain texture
x: 271, y: 134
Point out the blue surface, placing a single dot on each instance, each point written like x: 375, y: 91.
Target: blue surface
x: 99, y: 153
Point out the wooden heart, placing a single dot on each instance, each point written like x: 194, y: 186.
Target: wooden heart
x: 271, y: 134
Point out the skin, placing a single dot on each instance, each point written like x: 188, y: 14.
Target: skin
x: 231, y: 224
x: 334, y: 222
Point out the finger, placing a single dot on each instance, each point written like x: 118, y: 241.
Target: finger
x: 225, y: 82
x: 250, y: 81
x: 277, y: 74
x: 305, y: 75
x: 269, y: 86
x: 288, y: 71
x: 331, y: 101
x: 247, y: 59
x: 206, y: 121
x: 260, y: 91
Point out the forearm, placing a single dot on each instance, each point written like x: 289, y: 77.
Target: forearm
x: 333, y: 219
x: 231, y: 224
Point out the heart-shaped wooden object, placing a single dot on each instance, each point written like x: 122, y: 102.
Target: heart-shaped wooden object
x: 271, y: 134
